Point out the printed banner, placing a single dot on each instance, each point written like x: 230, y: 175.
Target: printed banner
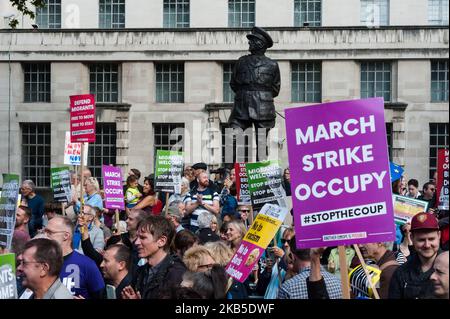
x: 243, y: 193
x: 60, y: 183
x: 8, y: 206
x: 265, y: 184
x: 442, y: 180
x: 82, y: 118
x: 72, y: 152
x: 258, y: 237
x: 112, y: 185
x: 168, y: 171
x: 8, y: 283
x: 340, y: 181
x: 405, y: 208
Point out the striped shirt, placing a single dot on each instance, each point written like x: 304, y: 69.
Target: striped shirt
x: 296, y: 288
x: 209, y: 196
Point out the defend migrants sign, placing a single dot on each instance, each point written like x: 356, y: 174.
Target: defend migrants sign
x: 442, y: 179
x: 258, y: 237
x: 264, y: 183
x: 8, y: 206
x: 8, y: 284
x: 168, y: 171
x: 112, y: 184
x: 61, y: 184
x: 82, y: 118
x: 405, y: 208
x: 72, y: 152
x: 338, y: 159
x: 243, y: 193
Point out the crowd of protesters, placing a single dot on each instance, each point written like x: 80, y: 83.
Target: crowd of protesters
x: 179, y: 248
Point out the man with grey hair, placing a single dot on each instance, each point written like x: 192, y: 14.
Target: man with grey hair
x: 174, y: 216
x: 86, y: 224
x: 205, y: 233
x: 439, y: 278
x: 36, y: 203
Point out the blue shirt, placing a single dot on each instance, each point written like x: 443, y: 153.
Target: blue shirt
x: 36, y: 204
x: 81, y: 275
x: 94, y: 200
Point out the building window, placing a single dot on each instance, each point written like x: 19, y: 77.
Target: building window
x: 439, y: 81
x: 112, y: 14
x: 228, y: 94
x: 306, y: 79
x: 36, y: 82
x: 176, y: 14
x: 376, y: 80
x: 36, y: 153
x: 241, y: 153
x: 438, y: 139
x: 49, y: 16
x: 241, y: 13
x: 170, y: 83
x: 103, y: 151
x: 438, y: 12
x: 168, y: 136
x: 375, y: 12
x: 390, y: 138
x: 307, y: 13
x: 104, y: 82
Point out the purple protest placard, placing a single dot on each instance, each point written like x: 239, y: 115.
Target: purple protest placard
x: 112, y: 185
x: 339, y: 165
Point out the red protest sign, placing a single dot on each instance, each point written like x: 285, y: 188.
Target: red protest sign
x: 243, y: 193
x: 82, y: 118
x: 442, y: 181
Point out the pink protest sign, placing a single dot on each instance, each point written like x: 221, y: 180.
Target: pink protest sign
x: 82, y: 118
x: 112, y: 184
x: 243, y: 261
x: 339, y: 165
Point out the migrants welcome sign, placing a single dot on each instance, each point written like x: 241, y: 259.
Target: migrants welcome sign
x: 82, y: 118
x: 168, y: 171
x: 442, y: 180
x: 112, y: 184
x: 8, y: 284
x: 265, y: 184
x: 258, y: 237
x: 338, y: 160
x: 8, y: 206
x: 61, y: 184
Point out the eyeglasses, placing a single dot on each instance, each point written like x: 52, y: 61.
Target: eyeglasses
x: 24, y: 263
x: 207, y: 266
x: 244, y: 210
x: 284, y: 241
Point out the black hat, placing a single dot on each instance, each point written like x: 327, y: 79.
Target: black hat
x: 259, y: 33
x: 200, y: 166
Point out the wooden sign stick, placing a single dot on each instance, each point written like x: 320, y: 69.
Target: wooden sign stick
x: 369, y: 277
x: 345, y: 284
x: 167, y: 204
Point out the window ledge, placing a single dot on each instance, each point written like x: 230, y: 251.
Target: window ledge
x: 398, y: 106
x: 113, y: 106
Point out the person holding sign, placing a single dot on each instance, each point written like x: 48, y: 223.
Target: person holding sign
x: 40, y: 264
x: 296, y: 288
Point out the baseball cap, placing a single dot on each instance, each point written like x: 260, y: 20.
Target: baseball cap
x: 200, y: 166
x: 424, y: 221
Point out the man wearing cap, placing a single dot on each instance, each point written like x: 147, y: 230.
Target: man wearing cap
x: 198, y: 169
x: 256, y: 81
x: 412, y: 279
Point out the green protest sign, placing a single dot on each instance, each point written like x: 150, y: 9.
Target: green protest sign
x: 265, y: 184
x: 168, y: 171
x: 8, y: 285
x: 8, y: 206
x: 60, y: 181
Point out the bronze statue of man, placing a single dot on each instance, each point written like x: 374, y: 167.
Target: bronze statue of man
x: 256, y: 81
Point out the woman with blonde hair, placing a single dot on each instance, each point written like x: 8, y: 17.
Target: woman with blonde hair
x: 92, y: 195
x: 198, y: 259
x: 220, y: 252
x: 236, y: 231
